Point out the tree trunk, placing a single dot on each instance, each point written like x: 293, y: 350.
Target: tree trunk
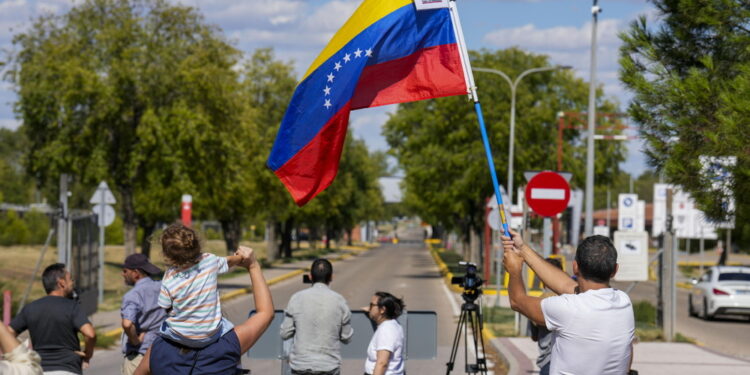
x: 476, y: 248
x: 328, y: 238
x: 296, y: 230
x: 286, y: 238
x: 148, y: 230
x: 129, y: 219
x: 272, y: 248
x: 232, y: 231
x: 349, y: 237
x: 313, y: 237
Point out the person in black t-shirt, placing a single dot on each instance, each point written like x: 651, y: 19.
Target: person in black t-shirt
x: 54, y: 322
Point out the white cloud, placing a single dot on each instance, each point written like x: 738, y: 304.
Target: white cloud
x: 9, y: 123
x: 331, y: 16
x: 568, y: 45
x: 557, y: 38
x: 237, y: 15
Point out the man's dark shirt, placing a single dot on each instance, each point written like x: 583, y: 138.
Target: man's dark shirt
x: 53, y: 323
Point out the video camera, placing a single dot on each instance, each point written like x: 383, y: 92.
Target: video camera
x: 306, y: 279
x: 471, y: 283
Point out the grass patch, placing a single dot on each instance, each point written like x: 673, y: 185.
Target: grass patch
x: 501, y: 321
x: 646, y: 329
x: 679, y: 337
x: 451, y: 260
x: 17, y: 265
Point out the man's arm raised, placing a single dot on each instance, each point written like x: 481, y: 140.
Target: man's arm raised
x: 250, y: 331
x: 552, y: 277
x: 527, y: 305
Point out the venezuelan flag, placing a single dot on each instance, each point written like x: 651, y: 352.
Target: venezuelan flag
x: 386, y: 53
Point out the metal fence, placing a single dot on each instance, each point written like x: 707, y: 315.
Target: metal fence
x: 84, y: 259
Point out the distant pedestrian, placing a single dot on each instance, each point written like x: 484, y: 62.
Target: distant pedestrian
x: 385, y: 354
x: 319, y: 320
x: 540, y: 334
x: 54, y: 322
x: 140, y: 311
x: 17, y: 358
x: 592, y: 323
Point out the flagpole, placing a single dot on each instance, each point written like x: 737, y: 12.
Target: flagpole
x: 469, y: 75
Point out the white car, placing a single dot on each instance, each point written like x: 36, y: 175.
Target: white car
x: 721, y: 290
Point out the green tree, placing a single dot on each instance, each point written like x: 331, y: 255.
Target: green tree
x: 689, y: 73
x: 438, y: 142
x: 268, y: 86
x: 15, y: 186
x: 13, y: 230
x: 130, y: 92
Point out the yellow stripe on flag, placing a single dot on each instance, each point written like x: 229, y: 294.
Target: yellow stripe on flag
x: 369, y: 12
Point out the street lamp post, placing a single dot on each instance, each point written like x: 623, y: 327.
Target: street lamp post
x: 589, y: 222
x: 513, y: 86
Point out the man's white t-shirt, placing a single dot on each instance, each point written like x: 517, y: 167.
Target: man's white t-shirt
x: 593, y: 332
x: 389, y: 336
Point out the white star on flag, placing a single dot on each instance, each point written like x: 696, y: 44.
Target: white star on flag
x: 327, y: 104
x: 347, y: 57
x: 358, y: 53
x: 330, y: 77
x: 337, y: 67
x: 327, y: 90
x: 368, y: 52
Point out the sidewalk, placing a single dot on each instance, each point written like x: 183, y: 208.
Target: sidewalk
x: 650, y: 358
x: 230, y: 288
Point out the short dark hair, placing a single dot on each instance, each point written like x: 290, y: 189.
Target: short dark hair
x: 50, y: 276
x: 393, y: 306
x: 597, y: 259
x: 321, y: 271
x: 181, y: 245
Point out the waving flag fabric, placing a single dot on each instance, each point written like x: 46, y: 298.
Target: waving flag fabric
x: 386, y: 53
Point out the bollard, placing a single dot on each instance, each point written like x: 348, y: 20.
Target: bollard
x: 6, y: 307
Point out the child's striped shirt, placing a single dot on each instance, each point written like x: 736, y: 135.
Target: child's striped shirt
x: 192, y: 295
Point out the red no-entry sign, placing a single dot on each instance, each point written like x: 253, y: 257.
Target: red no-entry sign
x: 548, y: 193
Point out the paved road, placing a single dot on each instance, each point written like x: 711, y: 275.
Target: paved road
x: 405, y: 270
x: 727, y: 335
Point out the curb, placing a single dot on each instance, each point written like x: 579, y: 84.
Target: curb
x: 226, y: 297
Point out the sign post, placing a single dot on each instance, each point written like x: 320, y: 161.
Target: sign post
x: 632, y: 255
x: 548, y: 194
x: 102, y: 201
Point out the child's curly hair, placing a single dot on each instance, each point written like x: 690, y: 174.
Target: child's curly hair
x: 180, y: 245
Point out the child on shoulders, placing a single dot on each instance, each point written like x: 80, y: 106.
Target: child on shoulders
x: 189, y: 289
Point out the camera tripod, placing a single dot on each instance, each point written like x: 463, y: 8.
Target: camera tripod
x: 470, y: 317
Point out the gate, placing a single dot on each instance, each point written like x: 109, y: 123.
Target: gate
x: 84, y: 259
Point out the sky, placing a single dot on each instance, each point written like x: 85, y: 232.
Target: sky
x: 299, y: 29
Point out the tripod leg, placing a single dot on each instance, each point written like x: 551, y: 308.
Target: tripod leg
x: 478, y: 340
x: 456, y: 341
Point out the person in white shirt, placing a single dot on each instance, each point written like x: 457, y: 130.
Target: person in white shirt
x: 17, y: 358
x: 385, y: 354
x: 593, y: 323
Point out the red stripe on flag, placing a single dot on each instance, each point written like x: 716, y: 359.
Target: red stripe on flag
x: 314, y: 167
x: 428, y: 73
